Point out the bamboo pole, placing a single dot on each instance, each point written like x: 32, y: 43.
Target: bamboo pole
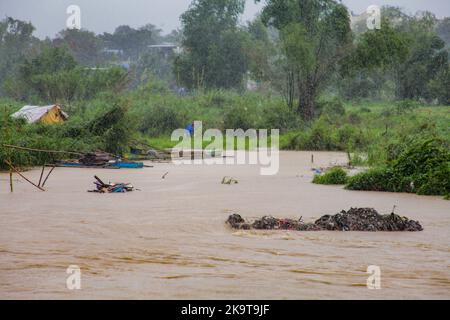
x: 42, y: 173
x: 17, y: 171
x: 42, y: 150
x: 48, y: 175
x: 11, y: 180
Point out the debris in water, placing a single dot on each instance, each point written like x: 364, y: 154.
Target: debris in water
x: 355, y: 219
x: 118, y: 187
x: 229, y: 180
x: 101, y: 159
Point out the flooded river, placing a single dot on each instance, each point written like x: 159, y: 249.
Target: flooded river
x: 169, y: 240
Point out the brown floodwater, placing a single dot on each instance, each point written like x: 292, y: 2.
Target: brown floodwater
x: 169, y: 240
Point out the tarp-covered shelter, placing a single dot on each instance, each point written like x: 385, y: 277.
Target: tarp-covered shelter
x: 48, y: 115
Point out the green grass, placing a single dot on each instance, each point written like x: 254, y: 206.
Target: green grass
x: 422, y: 167
x: 366, y: 130
x: 335, y: 175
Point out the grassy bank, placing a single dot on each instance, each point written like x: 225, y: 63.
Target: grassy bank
x: 369, y: 131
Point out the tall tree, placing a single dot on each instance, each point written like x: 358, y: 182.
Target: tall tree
x: 84, y: 45
x: 16, y: 39
x: 427, y: 59
x: 443, y: 30
x: 133, y: 42
x: 373, y: 65
x: 214, y: 54
x: 316, y: 37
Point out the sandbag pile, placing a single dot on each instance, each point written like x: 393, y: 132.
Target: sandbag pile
x: 355, y: 219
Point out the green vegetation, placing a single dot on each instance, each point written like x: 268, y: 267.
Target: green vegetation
x: 335, y: 175
x: 107, y: 126
x: 423, y: 167
x: 382, y: 96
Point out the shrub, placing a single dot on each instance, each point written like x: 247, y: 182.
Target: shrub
x: 333, y: 107
x: 160, y: 120
x: 321, y: 137
x: 354, y: 118
x: 280, y: 117
x: 438, y: 182
x: 238, y: 117
x: 423, y: 168
x: 427, y: 166
x: 406, y: 106
x: 377, y: 179
x: 335, y: 175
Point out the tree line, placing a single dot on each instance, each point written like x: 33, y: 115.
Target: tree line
x: 299, y: 49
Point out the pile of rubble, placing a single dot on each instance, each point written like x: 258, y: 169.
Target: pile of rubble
x: 355, y: 219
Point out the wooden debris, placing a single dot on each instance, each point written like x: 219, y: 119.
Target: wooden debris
x: 118, y: 187
x: 229, y: 180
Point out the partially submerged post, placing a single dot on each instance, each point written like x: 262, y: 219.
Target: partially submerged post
x: 42, y: 173
x: 11, y: 180
x: 48, y: 175
x: 43, y: 166
x: 17, y: 171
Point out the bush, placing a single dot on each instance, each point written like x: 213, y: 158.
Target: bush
x: 422, y: 168
x: 333, y: 107
x: 406, y: 106
x: 161, y: 120
x: 239, y: 117
x: 377, y: 179
x: 427, y: 165
x: 335, y: 175
x: 437, y: 182
x: 321, y: 137
x: 280, y: 117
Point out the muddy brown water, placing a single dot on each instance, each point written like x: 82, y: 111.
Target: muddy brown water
x: 169, y: 240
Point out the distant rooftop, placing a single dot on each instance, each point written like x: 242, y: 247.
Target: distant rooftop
x: 163, y: 45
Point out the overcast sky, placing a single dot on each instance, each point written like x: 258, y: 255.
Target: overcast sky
x: 49, y: 16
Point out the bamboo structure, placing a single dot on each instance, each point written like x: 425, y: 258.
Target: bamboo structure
x: 25, y: 178
x: 42, y: 173
x: 48, y: 175
x: 11, y: 180
x: 41, y: 150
